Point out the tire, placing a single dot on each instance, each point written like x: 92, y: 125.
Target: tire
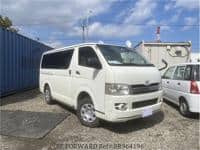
x: 86, y: 113
x: 184, y: 108
x: 47, y: 95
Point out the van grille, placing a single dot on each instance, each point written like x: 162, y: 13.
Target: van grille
x: 141, y: 88
x: 144, y: 103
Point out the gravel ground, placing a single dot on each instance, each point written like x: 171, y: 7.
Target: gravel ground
x: 164, y: 130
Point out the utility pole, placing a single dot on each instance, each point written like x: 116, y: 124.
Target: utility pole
x: 87, y: 24
x: 85, y: 27
x: 158, y: 34
x: 83, y: 30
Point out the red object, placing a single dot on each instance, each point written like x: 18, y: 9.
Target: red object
x: 194, y: 87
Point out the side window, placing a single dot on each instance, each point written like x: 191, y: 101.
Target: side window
x: 179, y: 73
x: 168, y: 73
x: 88, y: 58
x: 196, y: 72
x: 188, y: 71
x: 59, y: 60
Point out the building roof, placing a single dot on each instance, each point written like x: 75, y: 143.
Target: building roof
x: 187, y: 63
x: 188, y: 43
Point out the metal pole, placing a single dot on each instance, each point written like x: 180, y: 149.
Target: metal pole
x: 83, y: 31
x: 87, y: 28
x: 87, y: 25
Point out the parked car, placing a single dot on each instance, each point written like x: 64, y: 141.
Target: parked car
x: 108, y: 82
x: 181, y: 86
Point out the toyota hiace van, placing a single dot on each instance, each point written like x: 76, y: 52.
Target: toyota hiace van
x: 100, y: 81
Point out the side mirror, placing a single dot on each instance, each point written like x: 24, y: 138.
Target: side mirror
x: 94, y: 63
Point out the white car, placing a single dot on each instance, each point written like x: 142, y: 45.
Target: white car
x: 108, y: 82
x: 181, y: 86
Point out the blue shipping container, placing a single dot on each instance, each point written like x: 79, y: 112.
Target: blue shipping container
x: 19, y: 62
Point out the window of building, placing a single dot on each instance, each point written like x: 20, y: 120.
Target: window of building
x: 178, y: 53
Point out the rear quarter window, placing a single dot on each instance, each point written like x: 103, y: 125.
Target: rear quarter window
x: 196, y: 72
x: 192, y: 72
x: 58, y: 60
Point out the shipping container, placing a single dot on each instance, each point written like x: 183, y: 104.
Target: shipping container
x: 19, y: 62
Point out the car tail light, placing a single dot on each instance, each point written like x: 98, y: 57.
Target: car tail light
x: 194, y: 88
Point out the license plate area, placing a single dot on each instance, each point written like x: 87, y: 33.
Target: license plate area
x: 147, y: 112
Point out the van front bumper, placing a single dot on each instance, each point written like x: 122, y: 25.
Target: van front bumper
x: 114, y: 115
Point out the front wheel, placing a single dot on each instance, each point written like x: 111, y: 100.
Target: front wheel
x: 86, y: 113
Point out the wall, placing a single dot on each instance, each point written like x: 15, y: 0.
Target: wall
x: 19, y: 62
x: 195, y: 57
x: 155, y: 54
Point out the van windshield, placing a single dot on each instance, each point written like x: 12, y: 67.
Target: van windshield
x: 122, y: 56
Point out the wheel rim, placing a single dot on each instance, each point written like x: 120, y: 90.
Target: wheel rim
x: 88, y: 113
x: 47, y: 95
x: 183, y: 107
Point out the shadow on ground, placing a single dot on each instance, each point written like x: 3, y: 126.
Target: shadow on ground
x: 20, y: 97
x: 134, y: 125
x: 129, y: 126
x: 191, y: 116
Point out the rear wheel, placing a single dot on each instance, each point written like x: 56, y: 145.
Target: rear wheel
x: 184, y: 108
x: 86, y: 113
x: 47, y: 95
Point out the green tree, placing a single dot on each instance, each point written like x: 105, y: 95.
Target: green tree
x: 5, y: 22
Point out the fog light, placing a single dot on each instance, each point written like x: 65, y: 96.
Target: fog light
x: 121, y: 106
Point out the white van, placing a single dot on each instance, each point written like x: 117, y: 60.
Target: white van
x: 108, y: 82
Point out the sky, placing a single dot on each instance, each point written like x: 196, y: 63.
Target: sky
x: 58, y: 22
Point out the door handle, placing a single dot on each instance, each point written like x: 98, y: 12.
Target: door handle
x: 179, y: 83
x: 77, y: 72
x: 49, y: 73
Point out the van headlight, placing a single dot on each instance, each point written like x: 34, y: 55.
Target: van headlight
x: 116, y: 89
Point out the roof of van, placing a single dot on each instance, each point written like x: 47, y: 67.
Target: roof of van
x: 77, y: 45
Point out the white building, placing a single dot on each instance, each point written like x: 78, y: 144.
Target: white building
x: 195, y: 57
x: 171, y: 52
